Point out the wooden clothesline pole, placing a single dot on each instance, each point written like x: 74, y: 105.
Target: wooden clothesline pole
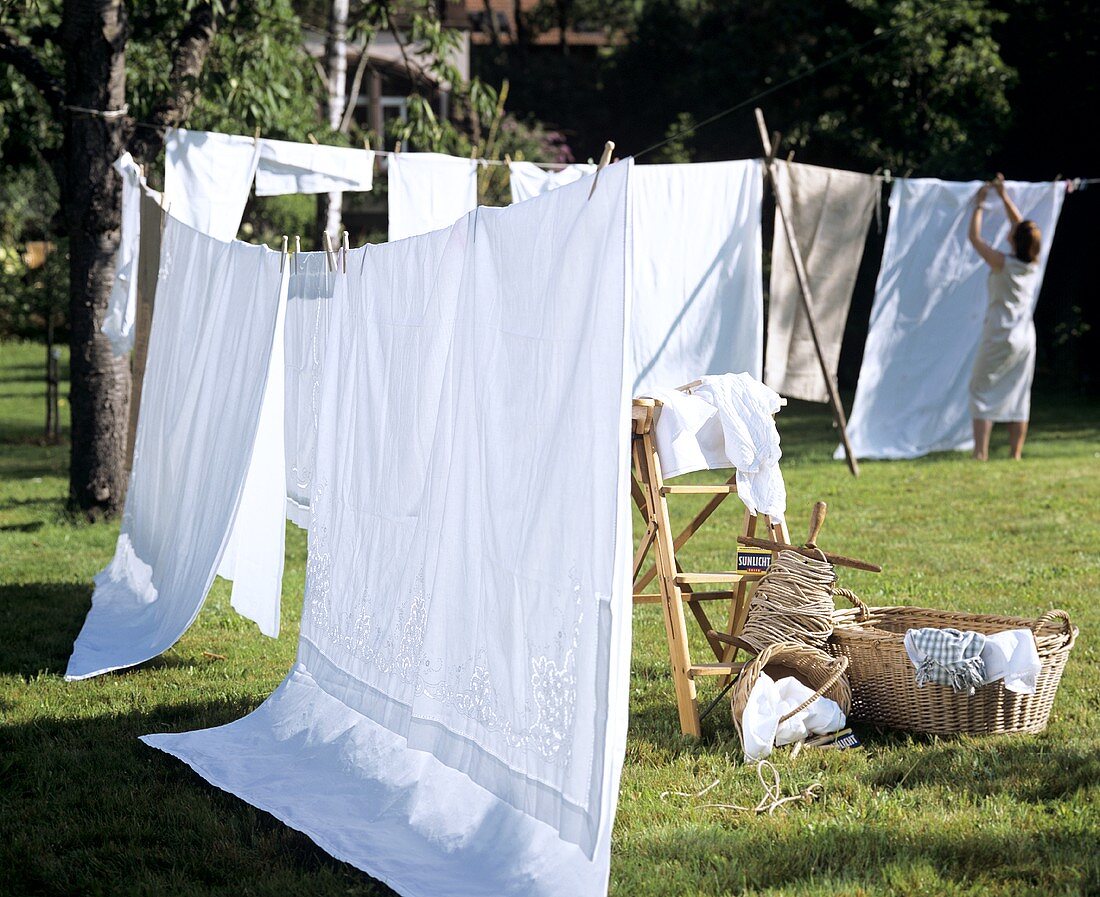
x: 804, y: 290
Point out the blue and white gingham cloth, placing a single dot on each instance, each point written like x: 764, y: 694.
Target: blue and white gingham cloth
x: 947, y: 657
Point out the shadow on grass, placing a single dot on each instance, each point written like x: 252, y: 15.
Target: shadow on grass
x: 89, y: 809
x: 40, y: 621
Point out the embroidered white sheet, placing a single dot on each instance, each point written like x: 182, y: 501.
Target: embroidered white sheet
x: 309, y: 299
x: 287, y: 167
x: 528, y: 180
x: 912, y: 397
x: 726, y: 421
x: 215, y: 319
x: 428, y: 191
x: 456, y: 720
x: 118, y: 323
x: 207, y: 179
x: 830, y: 212
x: 698, y: 285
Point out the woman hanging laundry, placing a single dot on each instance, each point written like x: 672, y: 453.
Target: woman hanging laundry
x: 1000, y: 385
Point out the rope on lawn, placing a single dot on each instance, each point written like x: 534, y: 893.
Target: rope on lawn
x: 773, y: 797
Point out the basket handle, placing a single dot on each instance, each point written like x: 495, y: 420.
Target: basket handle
x: 855, y: 600
x: 1051, y: 615
x: 841, y: 666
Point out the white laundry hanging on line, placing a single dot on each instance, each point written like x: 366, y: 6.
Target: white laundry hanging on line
x: 830, y: 212
x: 456, y: 721
x: 698, y: 284
x: 309, y: 301
x: 207, y: 179
x: 528, y: 179
x: 287, y: 167
x: 725, y: 421
x: 428, y: 191
x: 926, y: 322
x: 118, y: 324
x: 213, y: 327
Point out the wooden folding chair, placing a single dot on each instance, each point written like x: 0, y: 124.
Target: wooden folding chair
x: 677, y: 586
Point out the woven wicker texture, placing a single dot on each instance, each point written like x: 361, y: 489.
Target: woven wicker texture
x: 811, y: 666
x: 883, y: 680
x: 792, y: 603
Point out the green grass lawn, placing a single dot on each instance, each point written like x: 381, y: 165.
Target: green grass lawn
x: 87, y: 809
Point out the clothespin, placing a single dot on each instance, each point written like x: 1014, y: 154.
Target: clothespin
x: 297, y: 251
x: 887, y: 177
x: 366, y: 142
x: 605, y: 158
x: 790, y: 157
x: 256, y: 136
x: 507, y: 159
x: 473, y: 152
x: 331, y: 256
x: 312, y: 139
x: 397, y: 148
x: 347, y: 248
x: 282, y: 258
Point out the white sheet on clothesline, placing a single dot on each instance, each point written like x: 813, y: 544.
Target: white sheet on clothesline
x: 207, y: 179
x: 456, y: 720
x: 428, y: 191
x: 528, y: 180
x: 213, y: 327
x: 926, y: 322
x: 287, y: 167
x: 698, y: 288
x: 309, y: 301
x: 118, y: 324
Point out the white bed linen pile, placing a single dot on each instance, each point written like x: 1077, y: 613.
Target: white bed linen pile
x: 209, y: 349
x: 926, y: 322
x: 456, y: 720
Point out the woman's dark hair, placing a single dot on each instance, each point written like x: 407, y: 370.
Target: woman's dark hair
x: 1025, y: 241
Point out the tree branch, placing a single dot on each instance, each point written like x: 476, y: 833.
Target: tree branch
x: 24, y: 60
x: 192, y: 49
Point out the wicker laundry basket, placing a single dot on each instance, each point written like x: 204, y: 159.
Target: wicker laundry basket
x: 811, y: 666
x: 883, y: 680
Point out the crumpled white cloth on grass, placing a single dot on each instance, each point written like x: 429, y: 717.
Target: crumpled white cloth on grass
x: 456, y: 721
x: 213, y: 328
x: 287, y: 167
x: 428, y: 191
x: 913, y: 395
x: 207, y: 179
x: 726, y: 421
x: 769, y: 700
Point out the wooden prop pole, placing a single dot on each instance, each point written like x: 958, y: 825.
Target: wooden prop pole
x: 804, y: 289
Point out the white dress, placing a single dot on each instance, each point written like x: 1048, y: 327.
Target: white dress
x: 1000, y: 385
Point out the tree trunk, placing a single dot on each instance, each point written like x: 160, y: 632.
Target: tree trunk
x: 94, y: 40
x: 336, y: 64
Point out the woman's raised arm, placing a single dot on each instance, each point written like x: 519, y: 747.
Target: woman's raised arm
x: 993, y: 258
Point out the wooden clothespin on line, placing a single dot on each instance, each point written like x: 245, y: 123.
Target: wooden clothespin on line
x: 346, y: 247
x: 313, y: 140
x: 282, y: 258
x: 397, y: 148
x: 329, y: 253
x: 605, y: 158
x: 297, y: 251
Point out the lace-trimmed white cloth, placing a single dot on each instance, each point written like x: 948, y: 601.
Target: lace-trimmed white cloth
x: 456, y: 721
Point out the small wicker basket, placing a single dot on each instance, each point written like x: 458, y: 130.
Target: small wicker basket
x: 883, y: 680
x: 811, y: 666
